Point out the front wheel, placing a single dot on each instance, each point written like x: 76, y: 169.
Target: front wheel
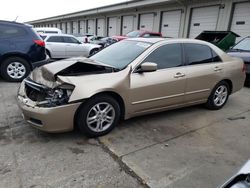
x: 98, y: 116
x: 219, y: 96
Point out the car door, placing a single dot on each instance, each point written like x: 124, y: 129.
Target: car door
x: 204, y: 70
x: 56, y: 46
x: 162, y: 88
x: 74, y: 47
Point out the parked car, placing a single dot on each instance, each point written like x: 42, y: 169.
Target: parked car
x: 105, y: 42
x: 60, y: 46
x: 47, y: 30
x: 127, y: 79
x: 84, y: 38
x: 241, y: 179
x: 242, y: 50
x: 96, y: 40
x: 21, y: 50
x: 139, y: 33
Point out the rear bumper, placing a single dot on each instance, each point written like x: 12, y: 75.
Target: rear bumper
x: 40, y: 63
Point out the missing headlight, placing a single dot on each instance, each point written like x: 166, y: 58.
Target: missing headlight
x: 47, y: 97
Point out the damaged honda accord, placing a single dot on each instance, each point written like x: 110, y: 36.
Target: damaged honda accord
x: 130, y: 78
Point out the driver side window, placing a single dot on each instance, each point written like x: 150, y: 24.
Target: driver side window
x: 167, y: 56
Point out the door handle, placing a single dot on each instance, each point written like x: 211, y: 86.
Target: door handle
x: 179, y: 75
x: 217, y: 69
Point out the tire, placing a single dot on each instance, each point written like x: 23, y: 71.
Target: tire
x: 93, y: 51
x: 48, y: 53
x: 219, y: 96
x: 92, y: 122
x: 15, y: 69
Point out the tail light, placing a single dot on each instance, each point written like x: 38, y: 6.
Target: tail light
x: 40, y: 43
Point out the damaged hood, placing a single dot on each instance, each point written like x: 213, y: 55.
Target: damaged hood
x: 47, y: 74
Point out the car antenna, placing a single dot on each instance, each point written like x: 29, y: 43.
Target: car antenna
x: 16, y: 19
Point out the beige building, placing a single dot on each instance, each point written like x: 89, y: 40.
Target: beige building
x: 173, y: 18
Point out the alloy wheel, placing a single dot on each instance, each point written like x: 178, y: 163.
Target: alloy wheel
x: 16, y: 70
x: 100, y: 117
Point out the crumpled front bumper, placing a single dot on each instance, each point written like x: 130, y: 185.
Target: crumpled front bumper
x: 51, y: 119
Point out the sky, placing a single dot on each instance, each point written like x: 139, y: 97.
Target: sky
x: 28, y: 10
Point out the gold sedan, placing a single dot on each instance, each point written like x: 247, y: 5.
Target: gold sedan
x: 130, y: 78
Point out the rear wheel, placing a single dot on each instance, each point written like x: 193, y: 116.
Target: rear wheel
x: 219, y: 96
x: 15, y: 69
x: 93, y: 51
x: 98, y: 116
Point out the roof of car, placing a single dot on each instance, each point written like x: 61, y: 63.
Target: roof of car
x: 159, y: 39
x: 56, y: 34
x: 13, y: 22
x: 149, y: 40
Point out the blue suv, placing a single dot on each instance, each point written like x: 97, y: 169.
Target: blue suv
x: 21, y: 50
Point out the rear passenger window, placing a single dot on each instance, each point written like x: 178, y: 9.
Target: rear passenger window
x: 198, y: 54
x: 71, y: 40
x: 166, y: 56
x: 55, y: 39
x: 7, y: 31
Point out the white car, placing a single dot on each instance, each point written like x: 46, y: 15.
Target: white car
x: 84, y: 38
x: 60, y: 46
x: 47, y: 30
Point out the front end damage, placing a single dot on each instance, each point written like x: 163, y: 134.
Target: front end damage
x: 45, y: 99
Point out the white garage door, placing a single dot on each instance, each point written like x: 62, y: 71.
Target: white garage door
x: 147, y: 22
x: 91, y: 26
x: 75, y: 27
x: 112, y: 26
x: 241, y: 19
x: 100, y: 27
x: 64, y: 27
x: 69, y: 28
x: 127, y: 24
x: 204, y: 18
x: 82, y: 27
x: 171, y: 22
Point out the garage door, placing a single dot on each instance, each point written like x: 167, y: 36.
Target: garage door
x: 91, y: 26
x: 241, y: 19
x: 112, y: 26
x: 127, y: 24
x: 204, y: 18
x: 171, y: 21
x: 75, y: 27
x: 69, y: 27
x: 64, y: 27
x: 100, y: 27
x: 82, y: 27
x: 147, y: 22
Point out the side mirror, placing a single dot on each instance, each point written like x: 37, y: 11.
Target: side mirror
x: 147, y: 67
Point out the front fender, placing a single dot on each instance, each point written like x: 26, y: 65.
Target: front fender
x: 88, y: 85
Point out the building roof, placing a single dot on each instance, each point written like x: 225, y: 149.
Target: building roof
x: 129, y: 4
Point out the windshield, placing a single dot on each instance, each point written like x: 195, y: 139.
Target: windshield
x: 133, y: 34
x: 120, y: 54
x: 243, y: 45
